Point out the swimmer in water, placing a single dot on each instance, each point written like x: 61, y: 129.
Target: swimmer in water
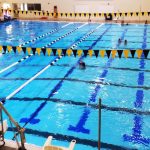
x: 125, y: 42
x: 82, y: 65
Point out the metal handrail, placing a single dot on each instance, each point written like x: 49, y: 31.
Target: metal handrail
x: 99, y: 124
x: 19, y: 128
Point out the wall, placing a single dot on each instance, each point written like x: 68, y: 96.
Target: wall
x: 91, y: 5
x: 69, y: 5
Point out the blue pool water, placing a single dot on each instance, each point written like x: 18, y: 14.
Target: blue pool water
x: 63, y: 100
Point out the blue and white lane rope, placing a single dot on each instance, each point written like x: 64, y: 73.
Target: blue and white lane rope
x: 19, y: 61
x: 86, y: 36
x: 46, y: 34
x: 66, y: 34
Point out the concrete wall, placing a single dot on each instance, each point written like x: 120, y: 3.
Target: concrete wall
x: 91, y: 6
x: 69, y: 5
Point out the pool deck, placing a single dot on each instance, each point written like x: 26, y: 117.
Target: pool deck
x: 86, y: 20
x: 12, y: 145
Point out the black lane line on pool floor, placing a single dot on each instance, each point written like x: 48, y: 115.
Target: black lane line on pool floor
x: 77, y: 103
x: 128, y: 41
x: 115, y: 68
x: 84, y: 81
x: 68, y: 138
x: 57, y: 86
x: 91, y: 66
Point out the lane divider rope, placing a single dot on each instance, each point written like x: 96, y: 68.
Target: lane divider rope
x: 31, y: 79
x: 46, y: 34
x: 19, y: 61
x: 49, y: 44
x: 88, y: 34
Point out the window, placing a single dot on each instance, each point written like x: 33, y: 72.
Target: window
x: 34, y: 7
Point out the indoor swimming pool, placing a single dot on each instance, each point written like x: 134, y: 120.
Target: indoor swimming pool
x: 62, y: 101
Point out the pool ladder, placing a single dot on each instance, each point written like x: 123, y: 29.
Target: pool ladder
x: 4, y: 126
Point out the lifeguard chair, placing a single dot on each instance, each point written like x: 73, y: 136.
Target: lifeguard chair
x: 48, y: 146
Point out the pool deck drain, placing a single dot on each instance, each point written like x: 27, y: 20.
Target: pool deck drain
x: 12, y: 145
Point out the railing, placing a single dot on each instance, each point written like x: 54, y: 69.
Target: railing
x: 99, y: 123
x: 20, y: 130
